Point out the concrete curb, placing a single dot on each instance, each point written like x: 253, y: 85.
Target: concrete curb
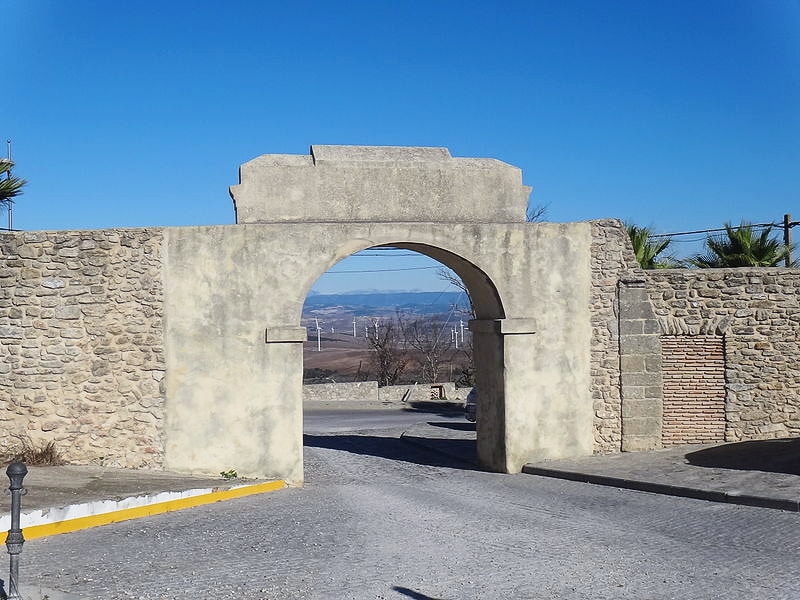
x: 729, y: 497
x: 53, y: 521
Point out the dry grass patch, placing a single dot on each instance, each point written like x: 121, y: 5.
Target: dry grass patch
x: 44, y: 455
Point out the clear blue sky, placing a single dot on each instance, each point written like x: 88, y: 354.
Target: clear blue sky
x: 680, y: 115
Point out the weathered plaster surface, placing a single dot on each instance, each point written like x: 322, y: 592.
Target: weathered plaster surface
x: 378, y: 184
x: 228, y: 285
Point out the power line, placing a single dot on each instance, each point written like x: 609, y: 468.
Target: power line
x: 380, y: 270
x: 720, y: 229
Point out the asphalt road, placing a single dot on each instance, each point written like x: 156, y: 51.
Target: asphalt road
x: 381, y: 519
x: 338, y: 421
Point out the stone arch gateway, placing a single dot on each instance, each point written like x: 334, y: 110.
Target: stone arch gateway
x: 181, y: 348
x: 236, y: 331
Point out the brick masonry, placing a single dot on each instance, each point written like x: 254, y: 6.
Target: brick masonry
x: 81, y: 344
x: 693, y: 370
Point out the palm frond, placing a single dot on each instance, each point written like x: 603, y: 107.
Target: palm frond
x: 741, y: 247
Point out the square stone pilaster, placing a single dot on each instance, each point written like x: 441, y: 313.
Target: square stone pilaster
x: 640, y: 367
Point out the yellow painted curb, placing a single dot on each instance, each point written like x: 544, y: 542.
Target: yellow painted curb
x: 126, y: 514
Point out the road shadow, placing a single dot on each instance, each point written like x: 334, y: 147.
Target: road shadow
x: 454, y: 426
x: 456, y: 454
x: 441, y: 409
x: 412, y: 594
x: 773, y: 456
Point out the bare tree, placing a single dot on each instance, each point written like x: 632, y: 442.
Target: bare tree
x: 454, y: 280
x: 389, y: 358
x: 430, y: 341
x: 536, y: 213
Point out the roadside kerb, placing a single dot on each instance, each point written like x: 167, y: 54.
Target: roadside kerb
x: 666, y: 472
x: 728, y: 497
x: 52, y: 521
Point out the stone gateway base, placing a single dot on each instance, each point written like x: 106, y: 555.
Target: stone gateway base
x: 181, y: 348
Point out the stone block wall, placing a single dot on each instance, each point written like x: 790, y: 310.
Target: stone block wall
x: 694, y: 389
x: 359, y: 391
x: 640, y: 367
x: 368, y: 391
x: 423, y: 392
x: 81, y: 344
x: 757, y: 311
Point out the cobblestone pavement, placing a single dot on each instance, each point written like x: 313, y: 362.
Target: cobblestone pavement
x: 380, y: 519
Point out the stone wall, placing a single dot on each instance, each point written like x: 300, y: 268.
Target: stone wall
x: 757, y: 311
x: 359, y: 391
x: 81, y: 348
x: 611, y: 256
x: 368, y: 391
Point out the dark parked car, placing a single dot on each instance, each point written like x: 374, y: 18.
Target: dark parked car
x: 471, y: 406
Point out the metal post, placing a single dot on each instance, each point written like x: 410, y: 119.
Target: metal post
x: 8, y: 176
x: 16, y: 472
x: 787, y: 239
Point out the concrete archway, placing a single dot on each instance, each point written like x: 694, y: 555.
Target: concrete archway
x: 233, y: 336
x: 488, y: 308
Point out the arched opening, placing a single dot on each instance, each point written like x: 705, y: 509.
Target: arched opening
x: 389, y: 357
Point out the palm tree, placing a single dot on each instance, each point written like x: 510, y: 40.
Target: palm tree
x: 741, y: 247
x: 10, y: 187
x: 647, y: 250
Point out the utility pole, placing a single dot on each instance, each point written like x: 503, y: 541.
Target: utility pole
x: 8, y: 176
x: 787, y: 239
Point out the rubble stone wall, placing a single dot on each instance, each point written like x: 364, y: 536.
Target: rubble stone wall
x: 611, y: 256
x: 81, y: 344
x: 359, y: 391
x: 757, y: 311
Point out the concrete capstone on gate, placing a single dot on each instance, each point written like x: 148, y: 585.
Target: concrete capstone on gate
x: 378, y: 184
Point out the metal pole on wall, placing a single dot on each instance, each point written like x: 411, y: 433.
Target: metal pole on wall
x: 10, y: 200
x: 787, y: 238
x: 16, y: 472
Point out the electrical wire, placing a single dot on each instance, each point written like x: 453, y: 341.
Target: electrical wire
x: 720, y: 229
x: 380, y: 270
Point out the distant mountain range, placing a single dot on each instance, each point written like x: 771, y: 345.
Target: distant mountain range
x: 363, y: 304
x: 425, y: 301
